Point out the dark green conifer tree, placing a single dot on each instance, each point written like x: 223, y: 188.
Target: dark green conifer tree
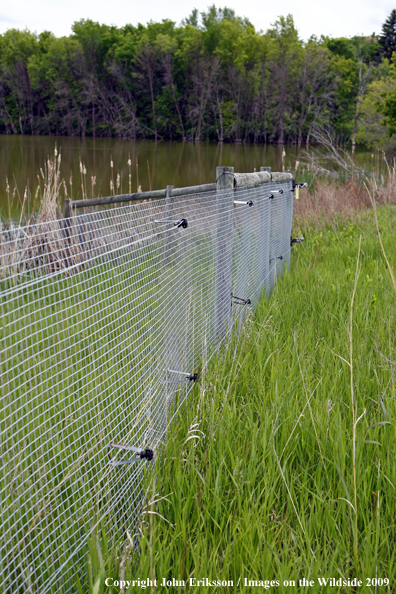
x: 388, y: 37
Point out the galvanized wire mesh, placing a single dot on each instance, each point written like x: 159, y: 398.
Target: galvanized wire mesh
x: 105, y: 319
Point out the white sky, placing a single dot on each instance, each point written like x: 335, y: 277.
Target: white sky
x: 336, y: 18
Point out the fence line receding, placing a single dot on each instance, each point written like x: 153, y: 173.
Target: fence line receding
x: 106, y: 317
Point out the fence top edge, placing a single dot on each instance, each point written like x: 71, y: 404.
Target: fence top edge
x: 240, y: 180
x: 260, y: 177
x: 115, y: 199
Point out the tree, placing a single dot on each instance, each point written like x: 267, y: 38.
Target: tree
x: 388, y: 38
x: 366, y: 73
x: 316, y: 89
x: 193, y: 19
x: 55, y: 79
x: 286, y: 54
x: 371, y: 129
x: 385, y: 101
x: 388, y: 109
x: 345, y: 70
x: 212, y: 77
x: 16, y: 94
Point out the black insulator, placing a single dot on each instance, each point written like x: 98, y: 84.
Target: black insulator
x: 296, y: 240
x: 240, y: 300
x: 148, y: 454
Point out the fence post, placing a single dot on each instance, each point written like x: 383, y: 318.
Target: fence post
x: 264, y: 235
x: 169, y: 342
x: 288, y: 215
x: 224, y: 245
x: 68, y: 209
x: 67, y: 218
x: 169, y: 199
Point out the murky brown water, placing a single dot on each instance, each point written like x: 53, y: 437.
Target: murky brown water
x: 154, y: 164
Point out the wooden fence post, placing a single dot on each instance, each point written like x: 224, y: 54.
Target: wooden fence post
x: 288, y: 215
x: 169, y: 237
x: 224, y: 248
x: 264, y: 235
x: 67, y: 222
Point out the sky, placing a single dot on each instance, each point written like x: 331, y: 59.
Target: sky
x: 336, y: 18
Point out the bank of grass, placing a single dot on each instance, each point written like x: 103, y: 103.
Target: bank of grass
x: 256, y: 480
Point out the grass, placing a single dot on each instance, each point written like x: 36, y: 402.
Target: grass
x: 344, y: 192
x: 282, y: 466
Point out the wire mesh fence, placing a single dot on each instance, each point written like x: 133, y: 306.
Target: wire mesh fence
x: 106, y: 319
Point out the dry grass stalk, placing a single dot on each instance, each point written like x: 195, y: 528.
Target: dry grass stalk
x: 328, y: 198
x: 373, y: 203
x: 41, y: 243
x: 48, y: 242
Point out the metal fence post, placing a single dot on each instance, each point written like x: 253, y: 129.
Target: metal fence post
x: 224, y: 245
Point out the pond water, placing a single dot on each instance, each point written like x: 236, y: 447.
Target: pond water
x: 154, y: 165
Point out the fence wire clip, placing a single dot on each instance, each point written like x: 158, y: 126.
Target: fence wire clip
x: 189, y: 377
x: 296, y: 240
x: 249, y: 202
x: 182, y: 223
x: 271, y: 196
x: 277, y: 258
x: 239, y: 300
x: 147, y: 454
x: 299, y: 186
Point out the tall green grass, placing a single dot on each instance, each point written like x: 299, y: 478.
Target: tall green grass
x: 256, y: 480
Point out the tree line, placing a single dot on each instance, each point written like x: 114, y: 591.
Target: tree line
x: 211, y: 77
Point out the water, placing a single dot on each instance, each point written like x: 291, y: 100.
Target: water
x: 154, y: 164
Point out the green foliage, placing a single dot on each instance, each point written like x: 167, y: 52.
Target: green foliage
x: 166, y: 81
x: 372, y: 131
x: 385, y: 100
x: 387, y: 39
x: 346, y: 72
x: 17, y: 46
x: 343, y: 47
x: 193, y: 19
x: 388, y: 109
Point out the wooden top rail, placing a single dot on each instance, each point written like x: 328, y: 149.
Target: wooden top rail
x: 69, y: 204
x: 240, y: 180
x: 260, y: 177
